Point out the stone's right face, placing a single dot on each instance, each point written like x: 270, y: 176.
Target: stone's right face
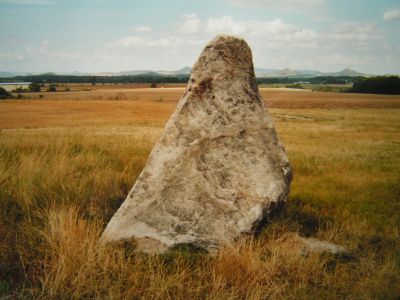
x: 218, y: 170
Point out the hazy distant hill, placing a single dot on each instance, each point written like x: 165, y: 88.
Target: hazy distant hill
x: 6, y: 74
x: 13, y: 74
x: 260, y: 73
x: 286, y: 73
x: 306, y: 73
x: 183, y: 71
x: 346, y: 72
x: 186, y: 70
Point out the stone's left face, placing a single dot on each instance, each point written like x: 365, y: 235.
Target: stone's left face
x: 217, y: 171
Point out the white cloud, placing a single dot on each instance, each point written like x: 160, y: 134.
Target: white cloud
x: 226, y: 24
x: 354, y: 32
x: 278, y: 44
x: 26, y: 2
x: 44, y: 51
x: 279, y: 34
x: 275, y: 43
x: 303, y: 6
x: 393, y: 14
x: 11, y: 57
x: 140, y: 42
x: 275, y: 30
x: 336, y: 61
x: 141, y: 28
x: 189, y: 24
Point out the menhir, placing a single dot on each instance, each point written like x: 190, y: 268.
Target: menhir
x: 217, y: 171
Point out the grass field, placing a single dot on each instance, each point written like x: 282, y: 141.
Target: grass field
x: 313, y: 87
x: 67, y: 161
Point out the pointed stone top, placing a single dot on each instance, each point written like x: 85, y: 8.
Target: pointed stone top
x: 225, y: 54
x: 223, y: 69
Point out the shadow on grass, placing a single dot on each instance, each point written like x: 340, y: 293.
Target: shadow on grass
x: 296, y: 215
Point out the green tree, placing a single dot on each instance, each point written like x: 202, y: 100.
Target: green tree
x: 378, y: 85
x: 52, y: 88
x: 34, y: 87
x: 4, y: 94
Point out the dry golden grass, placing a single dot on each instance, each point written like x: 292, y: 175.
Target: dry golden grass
x: 154, y: 106
x: 285, y: 98
x: 108, y: 86
x: 275, y: 97
x: 66, y: 166
x: 47, y: 113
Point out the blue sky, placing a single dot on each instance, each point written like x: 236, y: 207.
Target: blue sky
x: 121, y: 35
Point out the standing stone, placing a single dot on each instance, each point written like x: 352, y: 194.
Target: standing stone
x: 217, y: 171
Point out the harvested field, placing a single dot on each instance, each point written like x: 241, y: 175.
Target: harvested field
x: 67, y: 161
x: 153, y: 106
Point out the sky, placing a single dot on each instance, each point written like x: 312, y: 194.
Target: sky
x: 121, y: 35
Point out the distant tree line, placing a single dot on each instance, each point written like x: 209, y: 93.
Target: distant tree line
x: 156, y: 78
x: 312, y: 80
x: 4, y: 94
x: 7, y: 95
x: 143, y: 78
x: 378, y: 85
x: 375, y: 85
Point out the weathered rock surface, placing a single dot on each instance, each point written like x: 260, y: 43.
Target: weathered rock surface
x: 217, y: 171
